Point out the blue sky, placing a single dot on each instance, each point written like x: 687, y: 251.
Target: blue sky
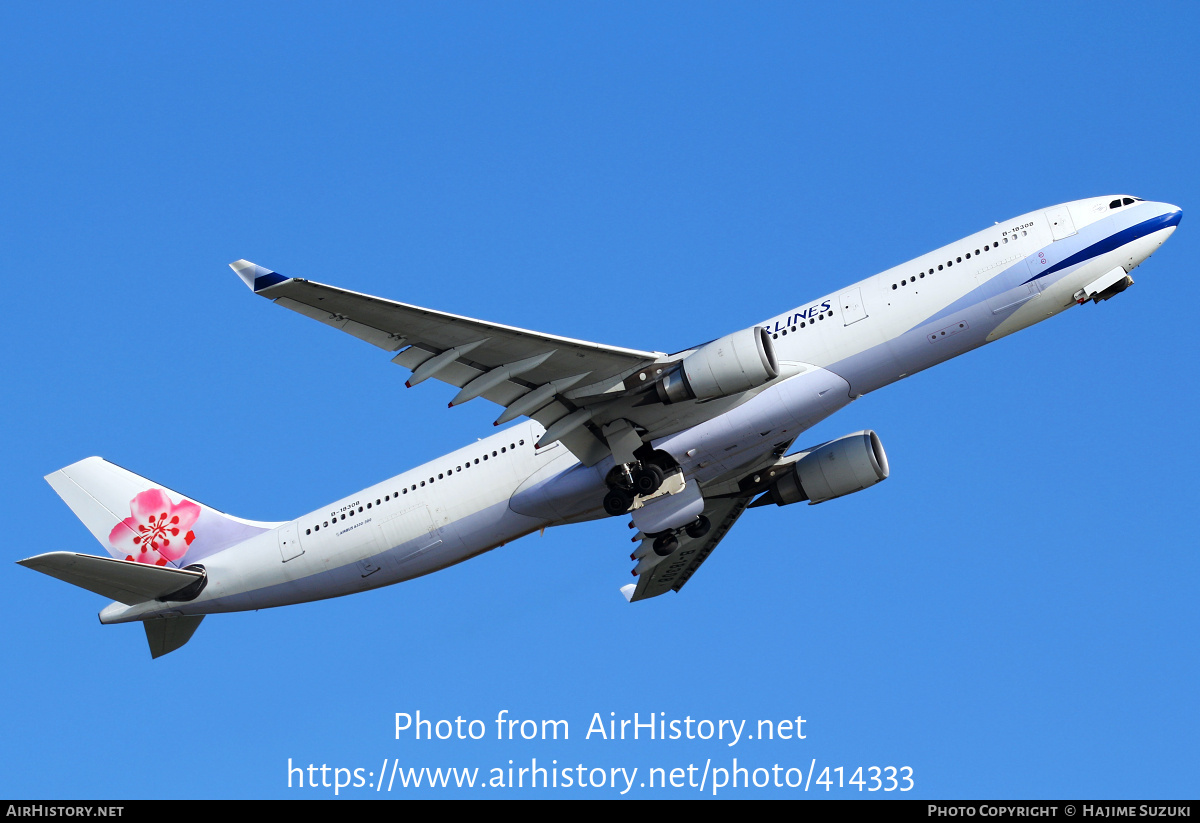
x: 1011, y: 615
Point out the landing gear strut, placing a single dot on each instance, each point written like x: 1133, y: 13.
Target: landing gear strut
x: 628, y: 481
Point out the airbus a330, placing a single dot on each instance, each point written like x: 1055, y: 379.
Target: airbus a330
x: 682, y: 444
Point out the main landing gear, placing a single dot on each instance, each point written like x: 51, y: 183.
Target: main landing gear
x: 629, y: 481
x: 667, y: 542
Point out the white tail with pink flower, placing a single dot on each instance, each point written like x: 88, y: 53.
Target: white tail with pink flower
x: 139, y: 520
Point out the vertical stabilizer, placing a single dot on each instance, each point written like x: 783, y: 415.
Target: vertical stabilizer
x: 139, y: 520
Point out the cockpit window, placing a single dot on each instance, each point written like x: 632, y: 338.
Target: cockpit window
x: 1127, y: 201
x: 1116, y: 204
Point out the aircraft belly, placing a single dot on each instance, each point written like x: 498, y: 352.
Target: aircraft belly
x: 776, y: 416
x: 562, y: 491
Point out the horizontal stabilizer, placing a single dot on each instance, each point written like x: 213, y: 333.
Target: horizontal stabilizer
x: 166, y: 634
x: 121, y: 580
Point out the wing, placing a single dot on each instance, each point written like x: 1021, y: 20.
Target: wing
x: 673, y: 571
x: 559, y: 382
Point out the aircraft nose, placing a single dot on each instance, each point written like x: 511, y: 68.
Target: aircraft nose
x: 1173, y: 214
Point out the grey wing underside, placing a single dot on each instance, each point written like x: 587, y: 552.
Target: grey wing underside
x: 556, y: 381
x: 677, y: 569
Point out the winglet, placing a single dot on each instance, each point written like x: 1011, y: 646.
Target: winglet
x: 256, y: 277
x: 628, y: 589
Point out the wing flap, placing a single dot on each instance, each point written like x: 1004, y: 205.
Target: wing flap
x: 121, y: 580
x: 677, y: 569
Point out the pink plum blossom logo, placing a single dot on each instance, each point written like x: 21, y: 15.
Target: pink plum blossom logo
x: 157, y: 530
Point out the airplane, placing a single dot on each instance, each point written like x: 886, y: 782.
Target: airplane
x: 683, y: 444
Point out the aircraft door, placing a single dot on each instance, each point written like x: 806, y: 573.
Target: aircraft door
x: 409, y: 533
x: 1061, y: 224
x: 289, y: 542
x: 853, y: 309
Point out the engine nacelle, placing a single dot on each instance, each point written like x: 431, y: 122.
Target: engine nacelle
x: 839, y: 467
x: 734, y: 363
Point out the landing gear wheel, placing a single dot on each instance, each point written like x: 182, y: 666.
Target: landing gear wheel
x: 665, y: 544
x: 698, y: 527
x: 617, y: 502
x: 648, y: 479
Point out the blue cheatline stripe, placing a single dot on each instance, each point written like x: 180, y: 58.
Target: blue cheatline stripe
x: 1115, y: 241
x: 269, y: 279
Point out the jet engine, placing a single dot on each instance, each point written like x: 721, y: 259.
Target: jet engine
x: 834, y: 469
x: 731, y: 364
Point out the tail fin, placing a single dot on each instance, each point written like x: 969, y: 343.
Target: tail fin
x: 139, y: 520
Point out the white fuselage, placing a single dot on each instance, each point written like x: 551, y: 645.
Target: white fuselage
x: 831, y: 350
